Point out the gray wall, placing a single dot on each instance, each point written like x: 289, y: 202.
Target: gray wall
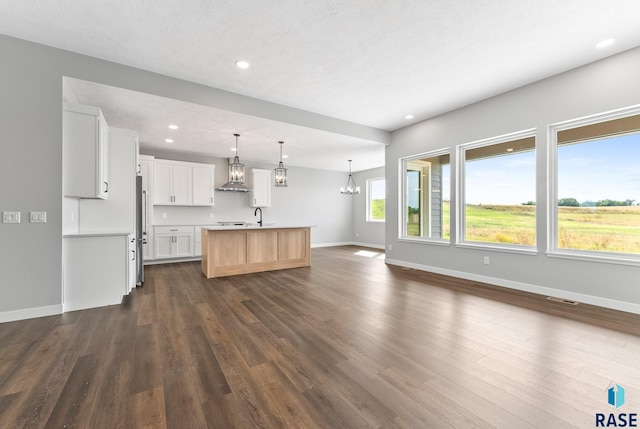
x: 599, y: 87
x: 365, y: 233
x: 31, y: 76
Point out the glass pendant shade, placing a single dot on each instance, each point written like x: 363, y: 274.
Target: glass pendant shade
x: 280, y: 173
x: 236, y: 169
x: 350, y: 187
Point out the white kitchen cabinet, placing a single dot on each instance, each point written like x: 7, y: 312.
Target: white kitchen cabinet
x: 261, y: 188
x: 172, y: 183
x: 85, y: 137
x: 197, y: 247
x: 174, y: 242
x: 203, y: 188
x: 95, y: 270
x: 118, y: 213
x: 145, y: 170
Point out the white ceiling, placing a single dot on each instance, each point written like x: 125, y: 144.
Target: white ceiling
x: 370, y: 62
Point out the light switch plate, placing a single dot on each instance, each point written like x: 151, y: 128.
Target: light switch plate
x: 38, y: 217
x: 11, y: 217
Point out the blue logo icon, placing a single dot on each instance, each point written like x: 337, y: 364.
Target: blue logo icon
x: 616, y: 396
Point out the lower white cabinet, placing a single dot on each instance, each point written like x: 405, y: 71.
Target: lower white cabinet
x: 147, y: 245
x: 174, y: 241
x: 95, y: 270
x: 197, y: 249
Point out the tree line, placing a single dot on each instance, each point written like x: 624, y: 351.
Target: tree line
x: 572, y: 202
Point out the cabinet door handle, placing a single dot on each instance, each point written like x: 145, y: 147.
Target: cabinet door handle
x: 133, y: 255
x: 211, y: 200
x: 106, y: 187
x: 139, y: 169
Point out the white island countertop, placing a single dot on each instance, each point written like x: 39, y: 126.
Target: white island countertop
x: 254, y: 226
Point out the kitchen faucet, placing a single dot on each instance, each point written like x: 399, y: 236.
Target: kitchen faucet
x: 255, y: 213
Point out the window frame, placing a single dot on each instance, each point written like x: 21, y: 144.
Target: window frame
x: 552, y: 190
x: 460, y: 214
x: 369, y: 184
x: 402, y: 207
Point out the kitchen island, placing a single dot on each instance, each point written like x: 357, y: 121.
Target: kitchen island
x: 230, y: 250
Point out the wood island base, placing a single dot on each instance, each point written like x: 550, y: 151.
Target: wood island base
x: 227, y: 252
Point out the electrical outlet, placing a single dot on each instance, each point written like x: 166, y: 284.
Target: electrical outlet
x: 164, y: 215
x: 357, y: 235
x: 486, y: 260
x: 390, y: 247
x: 211, y: 215
x: 11, y: 217
x: 38, y: 217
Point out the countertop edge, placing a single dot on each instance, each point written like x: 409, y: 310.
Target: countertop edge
x: 97, y: 234
x: 255, y: 227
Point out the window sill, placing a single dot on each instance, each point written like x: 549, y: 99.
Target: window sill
x: 623, y: 259
x: 435, y: 241
x: 500, y: 248
x: 374, y: 221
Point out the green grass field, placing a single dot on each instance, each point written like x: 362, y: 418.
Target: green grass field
x: 613, y: 229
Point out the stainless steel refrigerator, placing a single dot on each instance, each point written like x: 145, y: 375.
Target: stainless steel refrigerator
x: 140, y: 232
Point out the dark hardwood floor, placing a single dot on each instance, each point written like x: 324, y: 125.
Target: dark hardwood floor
x: 346, y: 343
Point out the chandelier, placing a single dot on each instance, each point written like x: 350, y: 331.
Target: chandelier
x: 280, y: 171
x: 350, y: 187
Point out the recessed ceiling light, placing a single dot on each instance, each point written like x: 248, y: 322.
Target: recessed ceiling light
x: 510, y: 149
x: 168, y: 140
x: 409, y: 117
x: 605, y: 43
x: 285, y: 156
x: 233, y: 149
x: 173, y: 127
x: 242, y: 64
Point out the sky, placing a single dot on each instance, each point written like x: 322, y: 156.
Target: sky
x: 591, y: 171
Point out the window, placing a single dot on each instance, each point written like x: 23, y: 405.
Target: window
x: 375, y: 200
x: 498, y: 191
x: 595, y: 191
x: 425, y: 194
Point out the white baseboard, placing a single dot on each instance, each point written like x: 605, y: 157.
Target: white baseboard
x: 525, y: 287
x: 372, y: 246
x: 30, y: 313
x: 349, y: 243
x: 345, y: 243
x: 171, y: 260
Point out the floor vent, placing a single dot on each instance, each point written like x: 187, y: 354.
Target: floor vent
x: 562, y: 300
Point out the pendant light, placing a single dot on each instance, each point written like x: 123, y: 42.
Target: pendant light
x: 350, y: 188
x: 280, y: 171
x: 236, y: 174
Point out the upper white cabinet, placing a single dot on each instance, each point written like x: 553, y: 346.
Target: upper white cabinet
x: 172, y: 182
x: 177, y: 183
x: 261, y: 189
x: 118, y: 213
x: 85, y: 137
x: 203, y: 188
